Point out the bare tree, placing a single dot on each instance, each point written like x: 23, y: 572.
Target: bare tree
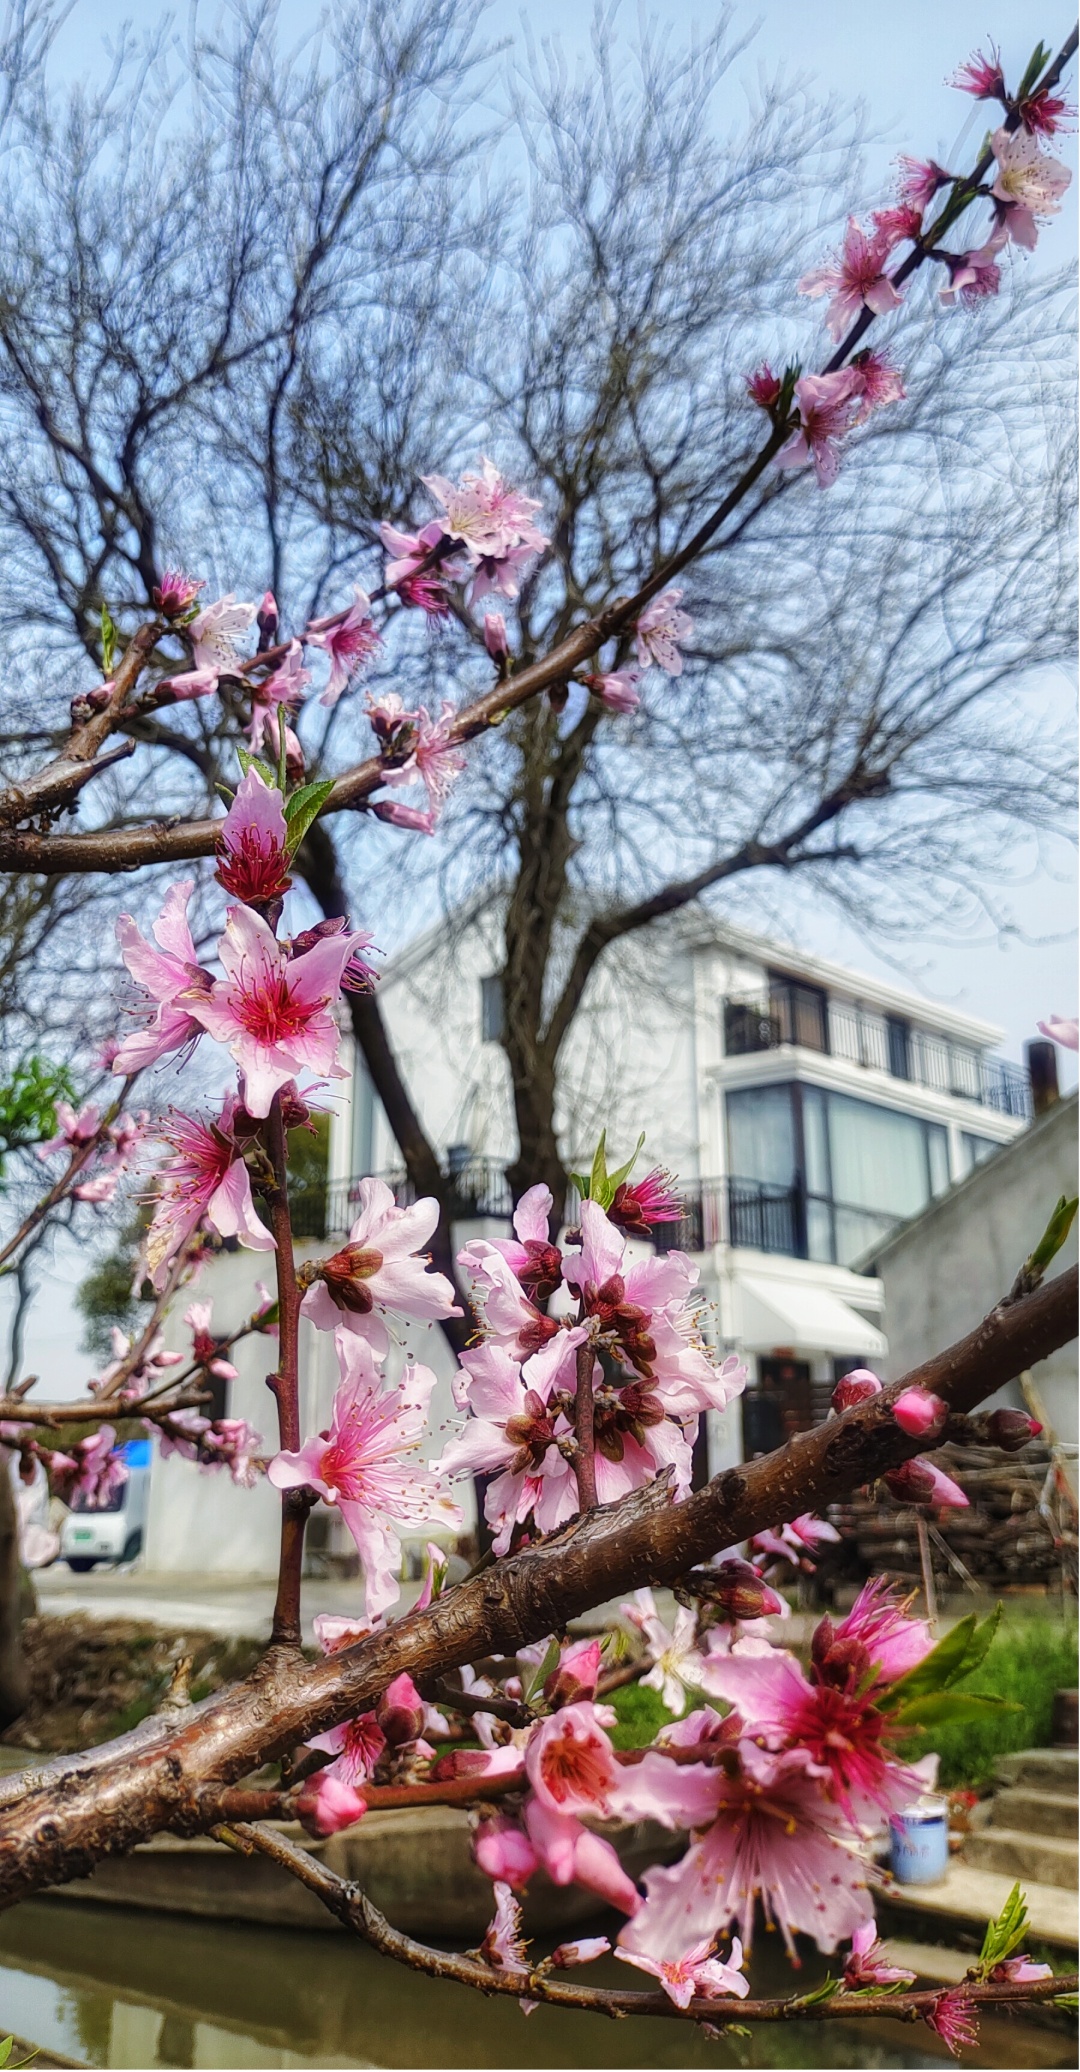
x: 350, y: 315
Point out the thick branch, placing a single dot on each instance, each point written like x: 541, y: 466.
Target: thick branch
x: 64, y: 1818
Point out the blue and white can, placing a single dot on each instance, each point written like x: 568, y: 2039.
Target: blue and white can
x: 919, y: 1837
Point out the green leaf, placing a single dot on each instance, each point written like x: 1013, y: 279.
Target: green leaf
x: 580, y: 1181
x: 939, y: 1707
x: 108, y: 649
x: 305, y: 806
x: 1069, y: 2001
x: 283, y: 754
x: 6, y: 2047
x: 938, y: 1668
x: 616, y: 1179
x: 1052, y: 1239
x: 545, y: 1669
x: 825, y: 1991
x: 980, y: 1642
x: 598, y: 1178
x: 1040, y: 58
x: 1003, y: 1935
x: 255, y: 762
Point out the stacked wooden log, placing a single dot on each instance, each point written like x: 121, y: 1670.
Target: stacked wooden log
x: 1020, y: 1527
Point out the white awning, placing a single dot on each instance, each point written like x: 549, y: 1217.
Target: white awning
x: 806, y: 1318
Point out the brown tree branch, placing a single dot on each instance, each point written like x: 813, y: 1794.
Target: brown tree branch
x: 354, y: 1910
x: 62, y: 1819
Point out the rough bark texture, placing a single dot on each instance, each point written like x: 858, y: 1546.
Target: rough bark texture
x: 14, y: 1681
x: 60, y: 1821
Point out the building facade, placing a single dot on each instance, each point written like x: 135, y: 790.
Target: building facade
x: 806, y: 1110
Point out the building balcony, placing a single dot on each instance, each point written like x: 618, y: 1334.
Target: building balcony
x: 749, y: 1215
x: 801, y: 1016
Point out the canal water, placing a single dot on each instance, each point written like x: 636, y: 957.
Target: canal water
x: 110, y: 1986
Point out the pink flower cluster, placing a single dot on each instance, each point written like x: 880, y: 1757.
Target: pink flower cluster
x: 88, y: 1476
x: 634, y: 1323
x: 116, y: 1144
x: 488, y: 523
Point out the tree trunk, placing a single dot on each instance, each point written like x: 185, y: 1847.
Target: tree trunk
x: 14, y: 1681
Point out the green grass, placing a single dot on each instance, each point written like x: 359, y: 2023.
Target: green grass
x: 641, y: 1712
x: 1026, y: 1664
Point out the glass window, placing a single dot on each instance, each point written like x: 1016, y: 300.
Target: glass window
x: 761, y: 1135
x: 937, y: 1151
x: 819, y: 1230
x: 491, y: 1008
x: 816, y: 1141
x: 973, y: 1150
x: 878, y: 1157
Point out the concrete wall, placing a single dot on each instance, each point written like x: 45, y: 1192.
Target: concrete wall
x: 945, y: 1270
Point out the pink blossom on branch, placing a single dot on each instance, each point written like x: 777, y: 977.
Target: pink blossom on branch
x: 617, y: 689
x: 857, y: 280
x: 433, y: 759
x: 1044, y: 114
x: 204, y: 1345
x: 698, y: 1974
x: 205, y: 1180
x: 763, y: 386
x: 487, y: 516
x: 280, y: 693
x: 75, y: 1131
x: 953, y: 2018
x: 776, y: 1834
x: 828, y: 406
x: 919, y: 180
x: 90, y: 1474
x: 272, y: 1011
x: 899, y: 224
x: 892, y: 1642
x: 366, y: 1466
x: 213, y: 637
x: 253, y: 860
x: 973, y: 275
x: 381, y: 1268
x: 857, y: 1387
x: 326, y: 1804
x: 176, y: 592
x: 171, y: 975
x: 864, y: 1966
x: 660, y: 629
x: 1029, y: 185
x: 920, y: 1482
x: 981, y: 77
x: 350, y: 639
x: 919, y: 1413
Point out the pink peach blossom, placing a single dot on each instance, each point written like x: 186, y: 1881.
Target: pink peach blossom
x: 204, y: 1345
x: 503, y: 1947
x: 504, y: 1852
x: 206, y: 1179
x: 857, y: 280
x: 350, y: 639
x: 920, y: 179
x: 919, y: 1413
x: 433, y: 759
x: 893, y: 1642
x: 585, y: 1950
x: 1029, y: 184
x: 364, y: 1464
x: 170, y: 974
x: 878, y: 383
x: 973, y: 275
x: 981, y: 77
x: 617, y: 689
x: 857, y: 1387
x: 274, y: 698
x: 273, y: 1012
x: 953, y: 2018
x: 175, y: 593
x: 75, y: 1131
x: 254, y: 861
x: 382, y: 1267
x: 828, y: 405
x: 920, y: 1482
x: 776, y: 1834
x: 660, y: 629
x: 326, y: 1804
x: 697, y: 1975
x: 763, y: 386
x: 864, y: 1966
x: 572, y: 1855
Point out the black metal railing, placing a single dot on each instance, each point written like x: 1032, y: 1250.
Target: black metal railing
x: 883, y: 1044
x: 478, y: 1188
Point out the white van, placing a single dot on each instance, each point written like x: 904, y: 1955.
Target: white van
x: 113, y: 1532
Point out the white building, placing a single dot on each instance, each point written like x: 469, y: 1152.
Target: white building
x: 805, y: 1110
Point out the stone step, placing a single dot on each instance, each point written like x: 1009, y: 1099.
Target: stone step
x: 1046, y: 1769
x: 1028, y: 1811
x: 1048, y: 1859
